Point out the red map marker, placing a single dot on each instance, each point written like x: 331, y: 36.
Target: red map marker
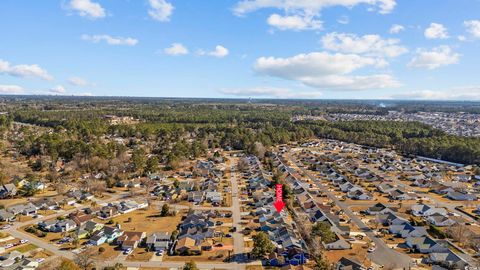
x: 279, y: 204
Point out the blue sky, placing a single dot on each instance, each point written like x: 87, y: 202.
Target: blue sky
x: 375, y: 49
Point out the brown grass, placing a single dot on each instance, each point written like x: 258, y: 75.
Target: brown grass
x: 148, y: 221
x: 140, y: 255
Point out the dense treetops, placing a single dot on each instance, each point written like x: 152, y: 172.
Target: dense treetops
x: 174, y: 130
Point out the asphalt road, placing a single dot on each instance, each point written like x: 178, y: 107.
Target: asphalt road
x: 238, y: 243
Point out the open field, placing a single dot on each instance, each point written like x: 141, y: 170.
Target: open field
x: 147, y: 220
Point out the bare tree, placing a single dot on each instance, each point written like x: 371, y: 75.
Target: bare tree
x: 259, y: 150
x: 98, y: 187
x: 148, y: 184
x: 458, y: 233
x: 243, y: 165
x: 85, y: 260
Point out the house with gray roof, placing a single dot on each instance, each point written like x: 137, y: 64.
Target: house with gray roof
x: 425, y: 245
x: 7, y: 190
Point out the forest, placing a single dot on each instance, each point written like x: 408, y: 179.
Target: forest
x: 174, y: 130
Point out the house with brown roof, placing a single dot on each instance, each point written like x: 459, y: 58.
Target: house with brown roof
x: 80, y: 218
x: 130, y: 240
x: 187, y: 245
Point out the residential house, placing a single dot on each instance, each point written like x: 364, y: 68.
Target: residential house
x: 88, y: 228
x: 187, y: 245
x: 425, y: 245
x: 196, y: 196
x: 7, y: 191
x: 390, y: 219
x: 447, y: 259
x: 378, y: 208
x: 105, y: 235
x: 359, y: 194
x: 65, y: 225
x: 214, y: 197
x: 46, y: 204
x: 458, y: 196
x: 158, y: 241
x: 423, y: 210
x: 80, y: 218
x: 80, y: 195
x: 349, y: 264
x: 47, y: 225
x: 385, y: 187
x: 130, y: 240
x: 25, y: 209
x: 407, y: 230
x: 6, y: 216
x: 340, y: 244
x: 440, y: 220
x: 398, y: 194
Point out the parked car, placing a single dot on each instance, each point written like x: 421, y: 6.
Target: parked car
x: 23, y: 241
x: 127, y: 251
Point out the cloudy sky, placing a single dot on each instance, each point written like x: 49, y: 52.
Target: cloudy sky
x: 346, y: 49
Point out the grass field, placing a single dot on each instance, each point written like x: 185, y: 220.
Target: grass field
x: 147, y: 220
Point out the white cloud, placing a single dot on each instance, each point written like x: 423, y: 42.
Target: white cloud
x: 77, y: 81
x: 160, y: 10
x: 372, y: 45
x: 436, y: 31
x: 305, y: 12
x: 343, y: 20
x: 86, y: 94
x: 24, y: 70
x: 11, y: 89
x: 294, y: 22
x: 176, y: 49
x: 326, y: 71
x: 309, y: 6
x: 396, y: 28
x: 268, y: 92
x: 437, y: 57
x: 462, y: 38
x: 87, y: 8
x: 456, y: 93
x: 219, y: 52
x: 127, y: 41
x: 58, y: 90
x: 473, y: 27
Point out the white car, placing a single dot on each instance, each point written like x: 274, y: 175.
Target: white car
x: 23, y: 241
x: 127, y: 251
x: 8, y: 246
x: 40, y: 260
x: 370, y: 250
x: 8, y: 226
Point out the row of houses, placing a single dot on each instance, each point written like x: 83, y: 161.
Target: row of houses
x: 416, y: 238
x: 290, y: 247
x: 10, y: 190
x: 17, y: 261
x: 31, y: 208
x: 114, y: 209
x: 196, y: 232
x: 314, y: 211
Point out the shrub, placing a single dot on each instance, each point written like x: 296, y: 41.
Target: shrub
x: 101, y: 249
